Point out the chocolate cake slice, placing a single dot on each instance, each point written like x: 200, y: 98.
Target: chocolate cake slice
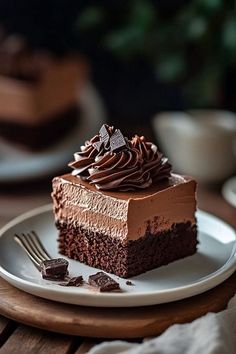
x: 38, y: 94
x: 124, y: 211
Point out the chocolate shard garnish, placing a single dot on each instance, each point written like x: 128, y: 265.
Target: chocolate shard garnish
x: 54, y: 269
x: 75, y: 281
x: 117, y: 140
x: 103, y: 282
x: 104, y: 135
x: 97, y: 145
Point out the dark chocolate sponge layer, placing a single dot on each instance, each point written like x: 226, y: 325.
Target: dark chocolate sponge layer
x: 135, y: 257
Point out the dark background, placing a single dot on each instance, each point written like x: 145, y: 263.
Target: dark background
x: 145, y: 56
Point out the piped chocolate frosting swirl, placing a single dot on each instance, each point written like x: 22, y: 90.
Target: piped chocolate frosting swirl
x: 112, y: 162
x: 153, y: 160
x: 92, y: 148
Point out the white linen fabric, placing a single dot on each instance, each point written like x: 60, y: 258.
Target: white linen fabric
x: 214, y: 333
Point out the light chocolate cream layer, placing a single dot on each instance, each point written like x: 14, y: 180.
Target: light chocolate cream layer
x: 125, y: 215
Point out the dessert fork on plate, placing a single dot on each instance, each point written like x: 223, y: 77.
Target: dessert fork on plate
x: 32, y: 245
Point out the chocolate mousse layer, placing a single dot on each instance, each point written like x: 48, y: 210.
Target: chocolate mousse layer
x: 124, y: 215
x: 125, y: 233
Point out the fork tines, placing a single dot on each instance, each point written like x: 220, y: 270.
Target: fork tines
x: 32, y: 245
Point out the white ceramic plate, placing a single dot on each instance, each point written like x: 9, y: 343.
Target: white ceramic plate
x: 214, y: 262
x: 17, y: 165
x: 229, y: 191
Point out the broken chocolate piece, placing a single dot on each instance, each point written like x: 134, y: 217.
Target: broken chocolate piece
x: 103, y: 282
x: 75, y: 281
x: 54, y: 269
x: 55, y: 277
x: 128, y: 282
x: 104, y: 134
x: 117, y: 140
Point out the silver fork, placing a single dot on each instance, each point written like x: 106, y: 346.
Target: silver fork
x: 32, y: 245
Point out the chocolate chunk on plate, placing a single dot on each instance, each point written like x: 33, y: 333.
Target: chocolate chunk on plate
x: 128, y: 282
x: 75, y: 281
x: 54, y: 269
x: 103, y: 282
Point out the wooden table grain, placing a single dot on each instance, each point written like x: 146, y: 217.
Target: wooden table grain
x: 18, y: 338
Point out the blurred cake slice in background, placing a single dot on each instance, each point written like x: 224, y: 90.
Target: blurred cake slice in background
x: 38, y: 94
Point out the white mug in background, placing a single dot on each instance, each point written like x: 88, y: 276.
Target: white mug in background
x: 201, y: 143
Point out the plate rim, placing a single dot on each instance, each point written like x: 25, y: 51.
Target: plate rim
x: 204, y: 283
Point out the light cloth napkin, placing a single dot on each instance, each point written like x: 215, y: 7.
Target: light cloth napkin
x: 214, y: 333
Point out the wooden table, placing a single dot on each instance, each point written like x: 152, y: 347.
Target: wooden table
x: 18, y: 338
